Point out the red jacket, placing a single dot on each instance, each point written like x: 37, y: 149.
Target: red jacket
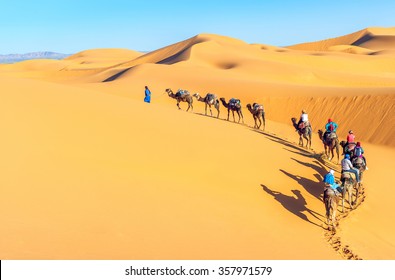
x: 350, y: 138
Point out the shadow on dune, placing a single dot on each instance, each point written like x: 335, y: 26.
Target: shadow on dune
x: 310, y: 186
x: 329, y: 164
x: 209, y: 116
x: 294, y: 205
x: 286, y: 143
x: 305, y: 153
x: 317, y: 166
x: 116, y: 76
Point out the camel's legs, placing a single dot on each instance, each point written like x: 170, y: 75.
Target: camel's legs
x: 327, y: 152
x: 334, y: 219
x: 218, y: 111
x: 350, y: 191
x: 328, y: 213
x: 263, y: 121
x: 308, y: 140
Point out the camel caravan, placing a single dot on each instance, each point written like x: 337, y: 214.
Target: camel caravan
x: 353, y: 164
x: 211, y: 100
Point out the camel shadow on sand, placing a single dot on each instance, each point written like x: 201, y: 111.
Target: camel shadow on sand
x: 295, y: 205
x: 209, y: 116
x: 299, y: 150
x: 316, y: 165
x: 301, y: 153
x: 219, y: 118
x: 310, y: 186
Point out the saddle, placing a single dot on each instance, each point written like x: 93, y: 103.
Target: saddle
x: 328, y: 136
x: 210, y: 98
x: 234, y: 102
x: 349, y: 148
x: 303, y: 125
x: 181, y: 93
x: 348, y: 177
x: 331, y: 135
x: 257, y: 107
x: 328, y: 188
x: 358, y: 162
x: 330, y: 192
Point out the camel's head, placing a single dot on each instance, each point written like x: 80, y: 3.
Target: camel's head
x: 296, y: 192
x: 222, y: 99
x: 343, y: 143
x: 196, y: 95
x: 248, y: 106
x: 320, y: 133
x: 293, y: 120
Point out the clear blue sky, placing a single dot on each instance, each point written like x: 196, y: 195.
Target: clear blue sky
x: 69, y: 26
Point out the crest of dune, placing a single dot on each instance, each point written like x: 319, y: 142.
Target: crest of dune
x: 103, y: 56
x: 370, y: 39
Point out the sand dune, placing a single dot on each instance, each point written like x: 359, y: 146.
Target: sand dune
x: 90, y: 171
x: 112, y: 55
x: 253, y: 74
x: 370, y: 39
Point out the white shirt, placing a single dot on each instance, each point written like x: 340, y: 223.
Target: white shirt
x: 304, y: 117
x: 346, y: 164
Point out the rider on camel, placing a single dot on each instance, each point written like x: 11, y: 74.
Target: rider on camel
x: 329, y: 180
x: 350, y: 145
x: 304, y: 119
x: 358, y: 152
x: 330, y: 127
x: 348, y: 167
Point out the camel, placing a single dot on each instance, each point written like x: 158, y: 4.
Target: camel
x: 329, y: 145
x: 330, y: 201
x: 209, y: 100
x: 186, y: 97
x: 349, y: 180
x: 349, y: 183
x: 258, y: 113
x: 348, y: 148
x: 233, y: 106
x: 359, y: 164
x: 305, y: 133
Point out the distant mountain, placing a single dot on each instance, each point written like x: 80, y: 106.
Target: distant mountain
x: 11, y: 58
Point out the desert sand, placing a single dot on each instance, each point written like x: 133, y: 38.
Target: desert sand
x: 90, y: 171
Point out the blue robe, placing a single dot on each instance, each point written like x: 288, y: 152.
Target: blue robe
x: 147, y: 97
x: 330, y: 180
